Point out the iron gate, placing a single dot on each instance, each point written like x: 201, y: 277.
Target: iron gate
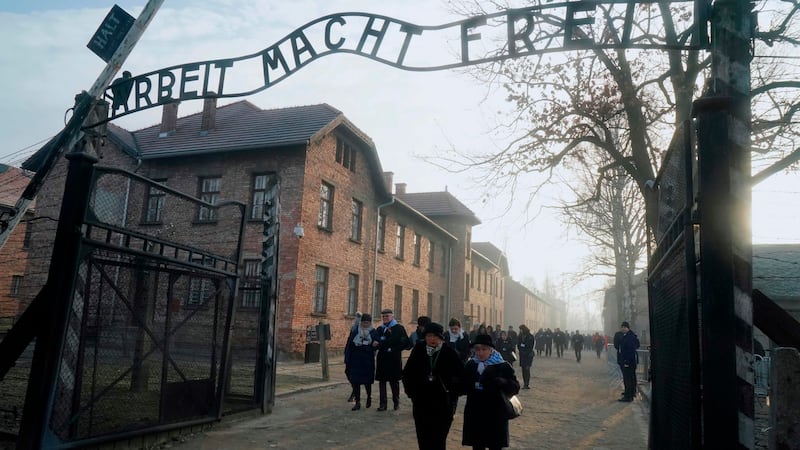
x: 147, y: 326
x: 675, y: 356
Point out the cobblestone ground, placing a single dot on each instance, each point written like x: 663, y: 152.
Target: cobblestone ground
x: 570, y: 406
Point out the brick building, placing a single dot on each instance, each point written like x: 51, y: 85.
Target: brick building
x: 523, y: 307
x: 14, y: 254
x: 346, y: 243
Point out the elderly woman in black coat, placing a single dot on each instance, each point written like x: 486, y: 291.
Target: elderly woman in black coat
x: 486, y: 377
x: 359, y: 359
x: 431, y: 380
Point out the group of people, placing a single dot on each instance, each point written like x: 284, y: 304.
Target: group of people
x: 443, y: 366
x: 447, y: 364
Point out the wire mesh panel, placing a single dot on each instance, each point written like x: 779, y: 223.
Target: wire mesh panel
x: 149, y: 320
x: 675, y: 409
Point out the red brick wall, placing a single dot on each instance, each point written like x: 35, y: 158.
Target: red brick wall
x: 13, y: 259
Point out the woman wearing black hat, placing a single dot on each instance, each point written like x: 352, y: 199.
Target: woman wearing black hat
x: 431, y: 381
x: 359, y: 360
x: 486, y: 377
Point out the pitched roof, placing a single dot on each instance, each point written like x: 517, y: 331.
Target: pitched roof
x: 439, y: 204
x: 776, y: 270
x: 492, y: 253
x: 238, y: 126
x: 12, y: 182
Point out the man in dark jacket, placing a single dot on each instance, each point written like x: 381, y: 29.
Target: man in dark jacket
x: 431, y: 380
x: 577, y: 344
x: 391, y: 340
x: 628, y: 358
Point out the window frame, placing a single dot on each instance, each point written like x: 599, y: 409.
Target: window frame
x: 325, y: 215
x: 154, y: 192
x: 320, y: 300
x: 398, y: 302
x: 357, y: 220
x: 417, y: 248
x: 250, y: 284
x: 400, y: 243
x: 352, y: 294
x: 377, y: 298
x: 16, y: 285
x: 381, y: 244
x: 257, y: 208
x: 205, y: 214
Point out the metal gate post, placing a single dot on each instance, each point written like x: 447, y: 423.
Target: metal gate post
x: 725, y: 232
x: 63, y: 269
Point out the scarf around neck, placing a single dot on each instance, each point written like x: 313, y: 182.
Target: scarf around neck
x: 432, y: 350
x: 494, y: 358
x: 388, y: 325
x: 455, y: 336
x: 363, y: 337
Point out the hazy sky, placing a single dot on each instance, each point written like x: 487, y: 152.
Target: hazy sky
x: 45, y: 62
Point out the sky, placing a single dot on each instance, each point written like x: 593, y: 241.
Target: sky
x: 45, y: 62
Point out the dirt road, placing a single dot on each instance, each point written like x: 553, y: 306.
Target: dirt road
x: 570, y: 406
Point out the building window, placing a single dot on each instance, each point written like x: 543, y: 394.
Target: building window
x: 401, y: 242
x: 352, y: 294
x: 199, y: 291
x: 466, y: 288
x: 479, y: 279
x: 377, y: 299
x: 381, y: 233
x: 417, y: 248
x: 16, y: 285
x: 485, y: 281
x: 251, y: 284
x: 26, y: 239
x: 468, y: 249
x: 260, y: 183
x: 155, y: 204
x: 414, y: 304
x: 357, y: 211
x: 321, y: 290
x: 398, y: 302
x: 209, y: 193
x: 345, y: 154
x: 431, y: 255
x: 325, y: 219
x: 445, y: 260
x: 430, y: 305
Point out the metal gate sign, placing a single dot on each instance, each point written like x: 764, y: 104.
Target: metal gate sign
x: 111, y: 32
x: 492, y: 37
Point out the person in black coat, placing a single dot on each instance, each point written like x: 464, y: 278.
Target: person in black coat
x: 359, y: 358
x: 458, y: 339
x: 431, y: 379
x: 525, y: 345
x: 577, y: 344
x: 505, y: 346
x: 390, y: 340
x: 486, y: 377
x: 628, y: 358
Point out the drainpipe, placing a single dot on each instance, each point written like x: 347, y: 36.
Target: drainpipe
x: 449, y: 313
x: 375, y: 262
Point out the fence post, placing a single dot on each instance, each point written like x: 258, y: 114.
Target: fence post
x: 784, y: 398
x: 65, y: 261
x: 323, y: 351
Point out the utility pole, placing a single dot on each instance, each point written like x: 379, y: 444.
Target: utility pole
x: 724, y: 122
x: 72, y: 134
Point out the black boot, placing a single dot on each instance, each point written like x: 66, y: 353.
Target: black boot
x: 382, y: 407
x: 369, y: 402
x: 396, y: 401
x: 357, y: 406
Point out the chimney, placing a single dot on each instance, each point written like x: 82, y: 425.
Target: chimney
x: 209, y: 119
x: 169, y: 118
x: 399, y: 188
x: 388, y: 178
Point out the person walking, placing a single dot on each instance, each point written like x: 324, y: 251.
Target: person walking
x: 539, y: 337
x: 431, y: 379
x: 628, y: 347
x: 390, y: 340
x: 512, y: 335
x: 560, y: 340
x: 485, y: 378
x: 548, y: 342
x: 599, y: 343
x: 353, y: 327
x: 458, y: 339
x: 525, y: 345
x: 359, y: 359
x: 506, y: 348
x: 417, y: 335
x: 577, y: 344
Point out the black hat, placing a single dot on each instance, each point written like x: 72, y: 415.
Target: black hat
x: 626, y: 325
x: 434, y: 328
x: 366, y: 318
x: 483, y: 339
x: 387, y: 311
